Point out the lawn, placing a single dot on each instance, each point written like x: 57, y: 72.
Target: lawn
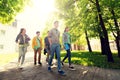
x: 7, y: 57
x: 93, y: 59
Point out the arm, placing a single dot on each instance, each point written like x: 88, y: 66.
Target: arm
x: 63, y: 40
x: 33, y: 42
x: 17, y: 38
x: 49, y: 39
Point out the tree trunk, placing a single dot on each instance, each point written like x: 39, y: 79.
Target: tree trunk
x: 103, y: 48
x: 118, y: 32
x: 102, y: 40
x: 118, y: 46
x: 109, y: 53
x: 88, y: 42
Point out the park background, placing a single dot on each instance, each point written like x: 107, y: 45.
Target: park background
x: 94, y: 27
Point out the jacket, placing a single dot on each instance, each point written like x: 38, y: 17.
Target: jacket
x: 21, y: 39
x: 34, y: 42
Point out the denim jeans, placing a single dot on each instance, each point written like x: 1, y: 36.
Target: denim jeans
x: 22, y: 51
x: 55, y: 48
x: 68, y: 55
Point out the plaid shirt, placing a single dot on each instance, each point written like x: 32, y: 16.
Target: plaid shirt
x: 54, y: 34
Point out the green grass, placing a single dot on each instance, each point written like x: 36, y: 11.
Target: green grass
x: 7, y: 57
x: 93, y: 59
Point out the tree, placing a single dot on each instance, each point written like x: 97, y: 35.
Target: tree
x: 9, y: 9
x: 87, y: 15
x: 108, y: 51
x: 113, y: 9
x: 88, y: 42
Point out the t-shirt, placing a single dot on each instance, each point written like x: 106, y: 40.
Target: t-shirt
x: 66, y: 38
x: 38, y: 44
x: 54, y: 34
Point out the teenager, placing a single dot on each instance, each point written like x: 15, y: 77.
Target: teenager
x: 22, y: 40
x: 37, y: 47
x: 54, y: 36
x: 67, y: 45
x: 47, y: 46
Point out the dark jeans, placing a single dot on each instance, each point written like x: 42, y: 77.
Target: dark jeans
x: 68, y: 55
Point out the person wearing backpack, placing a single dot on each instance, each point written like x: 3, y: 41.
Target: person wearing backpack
x: 47, y: 47
x: 37, y: 47
x: 66, y: 38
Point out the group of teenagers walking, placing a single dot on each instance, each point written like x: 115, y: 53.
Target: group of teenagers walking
x: 52, y: 46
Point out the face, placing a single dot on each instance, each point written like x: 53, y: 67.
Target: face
x: 67, y: 29
x: 24, y: 31
x: 56, y: 25
x: 38, y: 34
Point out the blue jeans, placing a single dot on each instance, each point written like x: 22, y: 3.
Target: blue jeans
x: 55, y: 48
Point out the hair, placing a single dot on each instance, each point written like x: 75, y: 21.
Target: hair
x: 21, y: 30
x: 65, y: 29
x: 37, y: 32
x: 56, y: 22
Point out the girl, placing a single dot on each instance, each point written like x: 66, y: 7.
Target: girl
x: 23, y: 41
x: 67, y: 45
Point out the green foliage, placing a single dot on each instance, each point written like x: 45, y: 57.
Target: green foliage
x: 95, y: 59
x: 81, y: 15
x: 10, y: 8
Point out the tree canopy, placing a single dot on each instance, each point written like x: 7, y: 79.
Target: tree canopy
x: 97, y: 18
x: 10, y: 8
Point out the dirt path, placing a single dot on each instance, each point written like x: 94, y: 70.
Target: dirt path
x: 31, y: 72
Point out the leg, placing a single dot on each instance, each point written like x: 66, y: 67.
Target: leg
x: 69, y: 56
x: 20, y: 54
x: 48, y: 53
x: 39, y: 56
x: 65, y: 57
x: 52, y: 49
x: 57, y: 50
x: 35, y: 55
x: 23, y: 55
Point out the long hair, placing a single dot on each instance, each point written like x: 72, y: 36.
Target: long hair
x: 21, y: 30
x: 65, y: 29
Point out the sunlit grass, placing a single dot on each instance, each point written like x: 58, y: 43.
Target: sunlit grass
x: 93, y: 59
x: 7, y: 57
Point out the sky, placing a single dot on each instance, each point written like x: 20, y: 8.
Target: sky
x: 33, y: 17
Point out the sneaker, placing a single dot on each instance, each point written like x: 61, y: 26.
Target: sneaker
x: 34, y: 63
x: 39, y: 63
x: 49, y: 69
x: 61, y: 72
x: 71, y: 68
x: 20, y: 67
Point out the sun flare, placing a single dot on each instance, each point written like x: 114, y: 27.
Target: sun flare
x: 34, y: 17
